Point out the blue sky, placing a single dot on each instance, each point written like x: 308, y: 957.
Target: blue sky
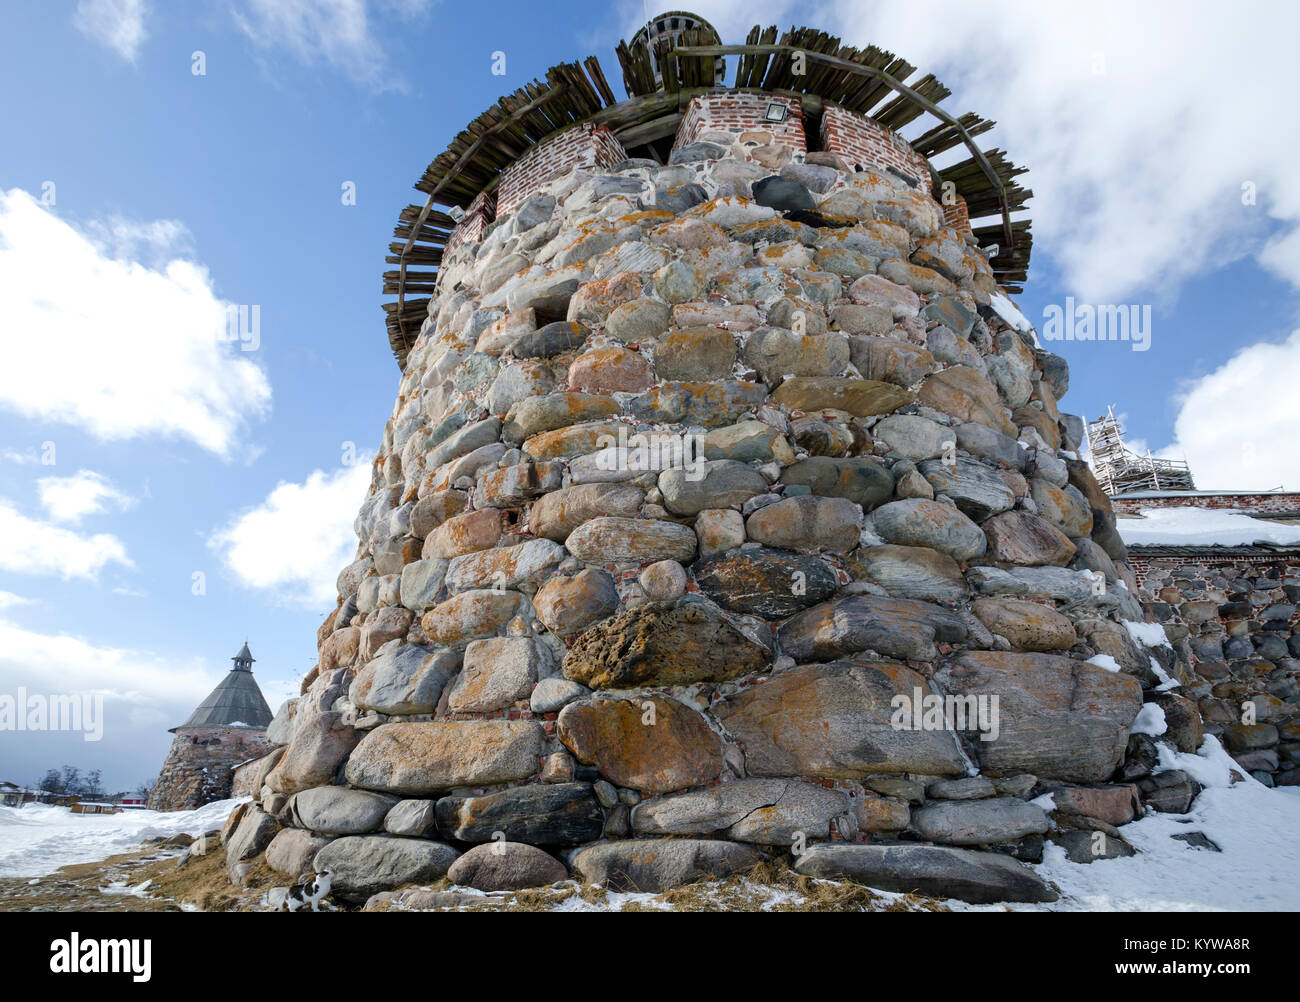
x: 175, y: 194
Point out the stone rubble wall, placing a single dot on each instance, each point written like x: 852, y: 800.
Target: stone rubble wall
x: 550, y: 658
x: 1236, y: 623
x: 199, y: 767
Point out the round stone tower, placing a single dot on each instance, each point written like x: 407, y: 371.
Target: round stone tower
x: 726, y: 511
x: 225, y: 730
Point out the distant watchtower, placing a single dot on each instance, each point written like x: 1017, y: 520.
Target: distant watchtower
x: 226, y: 729
x: 678, y: 26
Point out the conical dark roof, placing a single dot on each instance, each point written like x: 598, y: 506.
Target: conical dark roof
x: 237, y: 700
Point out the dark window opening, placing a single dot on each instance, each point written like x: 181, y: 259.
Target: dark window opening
x: 812, y: 131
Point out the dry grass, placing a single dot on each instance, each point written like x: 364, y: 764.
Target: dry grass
x: 767, y: 886
x: 203, y: 883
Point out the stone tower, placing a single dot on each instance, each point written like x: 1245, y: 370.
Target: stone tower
x: 225, y: 730
x: 720, y: 458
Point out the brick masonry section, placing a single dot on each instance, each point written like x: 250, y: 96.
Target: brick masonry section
x: 584, y: 145
x: 957, y: 215
x: 860, y: 140
x: 1273, y: 503
x: 469, y: 230
x: 738, y: 112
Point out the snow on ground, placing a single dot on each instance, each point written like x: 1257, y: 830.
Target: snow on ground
x: 1258, y: 869
x: 1202, y: 527
x: 38, y: 839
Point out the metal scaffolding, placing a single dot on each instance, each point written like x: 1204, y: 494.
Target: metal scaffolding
x: 1119, y: 470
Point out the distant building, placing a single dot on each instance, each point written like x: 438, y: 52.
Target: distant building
x: 227, y: 728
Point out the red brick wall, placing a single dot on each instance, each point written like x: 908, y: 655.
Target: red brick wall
x: 738, y: 111
x: 956, y: 215
x: 860, y: 140
x: 1275, y: 502
x: 470, y: 229
x: 583, y: 145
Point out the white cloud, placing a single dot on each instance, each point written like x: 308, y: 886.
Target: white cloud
x: 66, y: 663
x: 338, y: 33
x: 1237, y: 425
x: 143, y: 693
x: 8, y: 600
x: 113, y: 346
x: 70, y: 499
x: 20, y: 457
x: 118, y: 24
x: 31, y: 547
x: 159, y: 240
x: 296, y: 541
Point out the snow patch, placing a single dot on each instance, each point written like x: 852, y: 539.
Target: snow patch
x: 1146, y: 634
x: 1150, y: 720
x: 38, y: 839
x: 1011, y: 314
x: 1202, y: 527
x: 1104, y: 661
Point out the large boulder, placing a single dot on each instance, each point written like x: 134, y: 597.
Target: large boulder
x: 321, y: 742
x: 836, y: 721
x: 1058, y: 718
x: 662, y: 644
x: 1031, y: 626
x: 763, y: 811
x: 538, y: 814
x: 631, y: 541
x: 771, y: 584
x: 860, y: 479
x: 807, y: 523
x: 651, y: 744
x: 405, y: 680
x: 896, y: 627
x: 337, y: 810
x: 255, y: 831
x: 716, y: 483
x: 656, y: 865
x: 979, y: 822
x: 935, y: 524
x: 938, y: 871
x: 910, y: 572
x: 362, y: 865
x: 506, y: 866
x: 498, y: 672
x: 293, y: 851
x: 416, y: 758
x: 557, y: 514
x: 974, y: 488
